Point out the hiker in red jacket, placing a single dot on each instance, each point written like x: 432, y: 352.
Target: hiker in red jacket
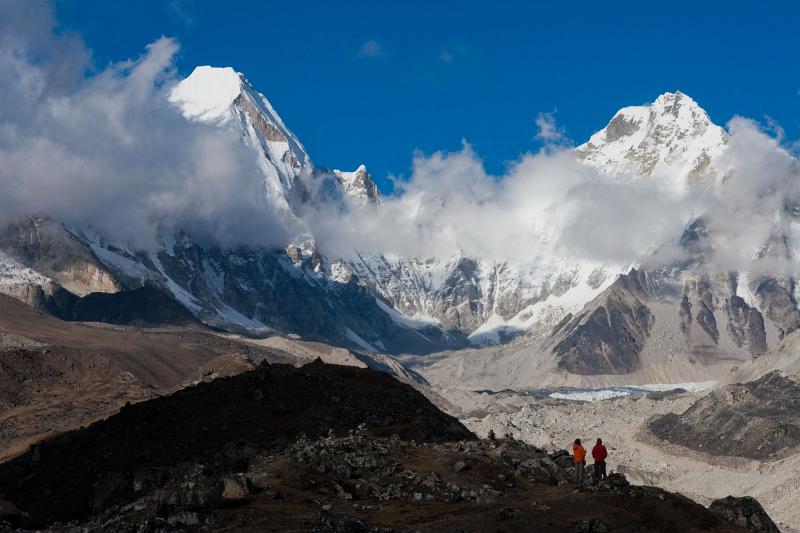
x: 599, y: 454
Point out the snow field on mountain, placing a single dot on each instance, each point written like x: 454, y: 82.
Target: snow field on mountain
x: 13, y: 274
x: 554, y: 307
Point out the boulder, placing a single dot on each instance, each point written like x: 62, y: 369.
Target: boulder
x: 489, y: 495
x: 234, y: 487
x: 460, y: 466
x: 544, y: 468
x: 259, y: 481
x: 590, y: 526
x: 106, y: 489
x: 184, y: 518
x: 562, y: 458
x: 617, y: 480
x: 745, y: 512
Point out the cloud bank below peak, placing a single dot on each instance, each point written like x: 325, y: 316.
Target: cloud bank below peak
x: 551, y: 206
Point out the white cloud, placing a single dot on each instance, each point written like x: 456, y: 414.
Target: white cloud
x: 181, y: 9
x: 371, y: 48
x: 548, y: 131
x: 550, y: 205
x: 107, y: 150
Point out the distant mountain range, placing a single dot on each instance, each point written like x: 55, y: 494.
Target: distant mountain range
x: 567, y: 317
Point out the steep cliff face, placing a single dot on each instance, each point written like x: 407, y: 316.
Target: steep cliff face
x: 47, y: 247
x: 746, y: 326
x: 608, y: 335
x: 702, y: 316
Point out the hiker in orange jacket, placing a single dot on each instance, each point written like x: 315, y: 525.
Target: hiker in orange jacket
x: 579, y: 456
x: 599, y: 454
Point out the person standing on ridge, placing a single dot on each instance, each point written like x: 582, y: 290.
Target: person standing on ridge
x: 579, y: 456
x: 599, y: 454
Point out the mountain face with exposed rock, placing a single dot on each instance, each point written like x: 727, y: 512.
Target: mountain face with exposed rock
x: 757, y: 420
x: 672, y: 139
x: 583, y: 318
x: 687, y: 319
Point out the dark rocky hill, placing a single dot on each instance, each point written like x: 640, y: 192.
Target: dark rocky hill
x: 87, y: 470
x: 758, y: 420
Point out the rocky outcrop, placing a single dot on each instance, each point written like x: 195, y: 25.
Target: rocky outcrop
x: 47, y: 247
x: 358, y: 185
x: 745, y: 512
x: 778, y: 303
x: 698, y: 304
x: 746, y: 325
x: 32, y: 294
x: 759, y: 420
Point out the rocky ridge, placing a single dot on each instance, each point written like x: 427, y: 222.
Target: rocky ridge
x: 757, y: 420
x: 242, y: 461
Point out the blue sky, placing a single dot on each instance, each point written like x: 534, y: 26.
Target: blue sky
x: 371, y: 82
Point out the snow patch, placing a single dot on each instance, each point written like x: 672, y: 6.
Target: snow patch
x: 232, y: 316
x: 13, y: 273
x: 353, y: 336
x: 183, y: 296
x: 418, y: 321
x: 743, y: 290
x: 207, y: 94
x: 555, y: 306
x: 117, y: 261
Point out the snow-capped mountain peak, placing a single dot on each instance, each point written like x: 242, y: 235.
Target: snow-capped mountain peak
x: 359, y: 185
x: 223, y: 97
x: 218, y: 94
x: 671, y: 137
x: 208, y: 93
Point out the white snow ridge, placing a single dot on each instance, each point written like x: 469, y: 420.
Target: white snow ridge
x: 208, y: 93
